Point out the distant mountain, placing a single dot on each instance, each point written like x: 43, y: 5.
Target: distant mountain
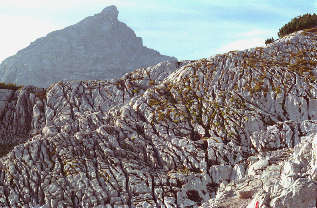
x: 97, y: 48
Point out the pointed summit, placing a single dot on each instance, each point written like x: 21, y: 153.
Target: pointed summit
x: 98, y: 47
x: 108, y: 14
x: 110, y: 11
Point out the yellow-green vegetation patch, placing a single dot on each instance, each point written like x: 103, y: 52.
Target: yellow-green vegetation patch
x: 9, y: 86
x: 311, y: 30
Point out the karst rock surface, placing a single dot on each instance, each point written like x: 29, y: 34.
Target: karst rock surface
x: 232, y: 130
x: 98, y: 47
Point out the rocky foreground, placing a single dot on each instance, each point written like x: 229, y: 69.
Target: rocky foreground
x: 234, y: 130
x: 98, y: 47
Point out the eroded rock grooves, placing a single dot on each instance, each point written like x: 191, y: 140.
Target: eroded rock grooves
x: 230, y: 129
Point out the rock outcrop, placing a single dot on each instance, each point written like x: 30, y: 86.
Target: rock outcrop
x: 99, y: 47
x: 232, y: 130
x: 280, y: 178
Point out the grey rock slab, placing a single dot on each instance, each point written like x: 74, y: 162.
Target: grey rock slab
x: 169, y: 135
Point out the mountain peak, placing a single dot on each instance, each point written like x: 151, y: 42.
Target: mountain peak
x: 110, y: 11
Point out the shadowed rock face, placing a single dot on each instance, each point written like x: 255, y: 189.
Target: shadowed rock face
x: 225, y: 131
x: 98, y: 48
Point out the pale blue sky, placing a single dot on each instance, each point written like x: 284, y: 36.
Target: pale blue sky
x: 186, y: 29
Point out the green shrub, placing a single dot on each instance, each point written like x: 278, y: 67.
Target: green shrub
x: 269, y: 40
x: 305, y: 21
x: 9, y: 86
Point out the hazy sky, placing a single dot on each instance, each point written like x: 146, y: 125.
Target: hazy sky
x: 186, y: 29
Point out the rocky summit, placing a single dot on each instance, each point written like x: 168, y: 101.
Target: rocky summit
x: 234, y: 130
x: 99, y: 47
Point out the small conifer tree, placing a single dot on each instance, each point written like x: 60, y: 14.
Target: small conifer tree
x: 269, y: 40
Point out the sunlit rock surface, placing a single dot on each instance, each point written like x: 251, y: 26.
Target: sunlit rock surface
x: 98, y: 47
x: 228, y: 131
